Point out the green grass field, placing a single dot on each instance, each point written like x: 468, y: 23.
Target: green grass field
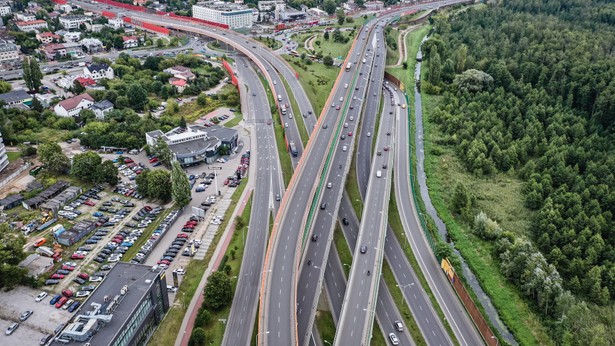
x: 13, y: 155
x: 303, y: 133
x: 237, y: 118
x: 393, y: 54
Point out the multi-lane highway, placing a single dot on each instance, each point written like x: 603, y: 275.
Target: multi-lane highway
x: 278, y: 301
x: 359, y: 304
x: 266, y: 162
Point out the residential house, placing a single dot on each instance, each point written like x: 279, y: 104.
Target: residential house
x: 8, y: 51
x: 92, y: 45
x: 5, y: 10
x: 130, y: 41
x: 181, y: 72
x: 178, y: 83
x: 374, y: 5
x: 54, y: 51
x: 87, y: 83
x: 24, y: 17
x: 102, y: 108
x: 98, y: 71
x: 73, y: 21
x: 16, y: 97
x: 116, y: 23
x: 46, y: 99
x: 33, y: 25
x: 72, y: 36
x: 47, y: 37
x: 72, y: 106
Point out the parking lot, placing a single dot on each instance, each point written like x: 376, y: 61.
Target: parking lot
x: 42, y: 322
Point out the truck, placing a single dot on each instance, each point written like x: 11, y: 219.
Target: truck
x: 45, y: 251
x: 348, y: 66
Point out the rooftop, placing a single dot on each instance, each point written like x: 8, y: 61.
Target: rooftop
x: 73, y: 102
x: 97, y: 67
x: 14, y: 96
x: 102, y: 105
x: 138, y: 279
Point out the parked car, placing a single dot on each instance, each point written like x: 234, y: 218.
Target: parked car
x: 41, y: 296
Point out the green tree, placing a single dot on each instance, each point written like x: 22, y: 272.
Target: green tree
x: 142, y: 183
x: 158, y: 183
x: 159, y: 43
x: 341, y: 16
x: 107, y: 173
x: 47, y: 150
x: 122, y: 102
x: 326, y: 35
x: 162, y: 151
x: 327, y: 60
x: 4, y: 87
x: 201, y: 100
x: 85, y: 166
x: 50, y: 154
x: 218, y: 291
x: 78, y: 88
x: 137, y: 96
x: 198, y: 337
x: 435, y: 66
x: 11, y: 254
x: 180, y: 185
x: 462, y: 202
x: 32, y: 74
x: 329, y: 6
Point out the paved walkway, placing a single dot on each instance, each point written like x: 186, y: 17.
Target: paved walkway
x: 309, y: 43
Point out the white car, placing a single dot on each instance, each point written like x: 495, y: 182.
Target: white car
x: 216, y: 222
x: 82, y: 294
x: 172, y: 289
x: 41, y: 296
x: 96, y: 279
x: 179, y: 271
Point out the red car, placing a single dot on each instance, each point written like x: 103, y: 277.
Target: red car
x: 84, y: 276
x: 350, y: 134
x: 67, y: 293
x: 148, y: 208
x: 128, y: 160
x: 386, y: 148
x: 337, y: 108
x: 182, y: 235
x: 153, y: 159
x: 77, y: 256
x: 163, y: 262
x: 226, y: 181
x: 90, y: 203
x: 56, y: 276
x: 61, y: 302
x: 67, y: 267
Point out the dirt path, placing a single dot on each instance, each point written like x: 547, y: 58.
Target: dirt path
x: 309, y: 43
x: 401, y: 43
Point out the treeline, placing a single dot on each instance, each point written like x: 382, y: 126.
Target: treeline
x: 529, y: 88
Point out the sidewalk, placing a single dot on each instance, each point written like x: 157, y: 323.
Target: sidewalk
x: 188, y: 322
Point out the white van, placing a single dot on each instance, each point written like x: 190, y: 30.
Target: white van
x: 280, y: 98
x: 378, y: 174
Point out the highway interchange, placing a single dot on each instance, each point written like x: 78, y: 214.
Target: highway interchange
x: 291, y: 278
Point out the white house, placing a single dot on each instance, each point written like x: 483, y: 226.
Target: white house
x: 5, y: 10
x: 98, y: 71
x: 72, y: 36
x: 73, y: 21
x: 102, y: 108
x: 31, y: 25
x: 72, y: 106
x: 130, y: 41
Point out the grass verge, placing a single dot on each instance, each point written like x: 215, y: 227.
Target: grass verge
x: 298, y: 116
x: 413, y: 41
x: 13, y: 155
x: 393, y: 54
x: 325, y: 325
x: 314, y: 79
x: 343, y: 250
x: 237, y: 118
x: 169, y: 328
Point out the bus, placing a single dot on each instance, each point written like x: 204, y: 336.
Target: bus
x: 293, y: 149
x: 348, y: 66
x: 283, y: 109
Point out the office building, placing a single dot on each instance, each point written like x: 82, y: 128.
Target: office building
x: 8, y: 51
x: 73, y: 21
x: 233, y: 15
x: 4, y: 159
x: 124, y: 310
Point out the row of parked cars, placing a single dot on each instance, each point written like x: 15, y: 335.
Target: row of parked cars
x: 131, y: 170
x: 71, y: 211
x: 149, y: 244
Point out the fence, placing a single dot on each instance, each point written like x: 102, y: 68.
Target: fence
x: 14, y: 174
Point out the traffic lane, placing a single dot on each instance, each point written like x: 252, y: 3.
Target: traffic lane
x: 243, y: 310
x: 335, y: 282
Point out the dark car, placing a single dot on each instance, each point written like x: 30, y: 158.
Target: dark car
x: 78, y: 280
x: 88, y: 288
x: 363, y: 248
x: 314, y: 237
x: 323, y: 206
x: 55, y: 299
x: 345, y: 222
x: 45, y: 339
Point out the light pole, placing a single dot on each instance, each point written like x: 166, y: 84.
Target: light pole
x: 327, y: 342
x: 403, y: 289
x: 497, y: 341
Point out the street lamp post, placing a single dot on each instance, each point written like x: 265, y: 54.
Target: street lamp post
x: 403, y: 289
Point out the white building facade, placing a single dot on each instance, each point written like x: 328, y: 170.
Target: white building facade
x: 73, y: 21
x: 235, y: 16
x: 8, y: 51
x: 4, y: 159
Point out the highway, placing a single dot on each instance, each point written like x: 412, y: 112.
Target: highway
x: 278, y: 300
x: 311, y: 276
x: 265, y: 160
x: 462, y: 326
x: 359, y: 304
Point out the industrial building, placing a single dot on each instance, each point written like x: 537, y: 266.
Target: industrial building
x: 233, y: 15
x: 196, y: 144
x: 125, y: 309
x: 10, y: 202
x: 50, y: 192
x: 76, y: 233
x: 58, y: 201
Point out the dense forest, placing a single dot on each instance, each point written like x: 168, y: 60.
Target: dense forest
x: 529, y: 88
